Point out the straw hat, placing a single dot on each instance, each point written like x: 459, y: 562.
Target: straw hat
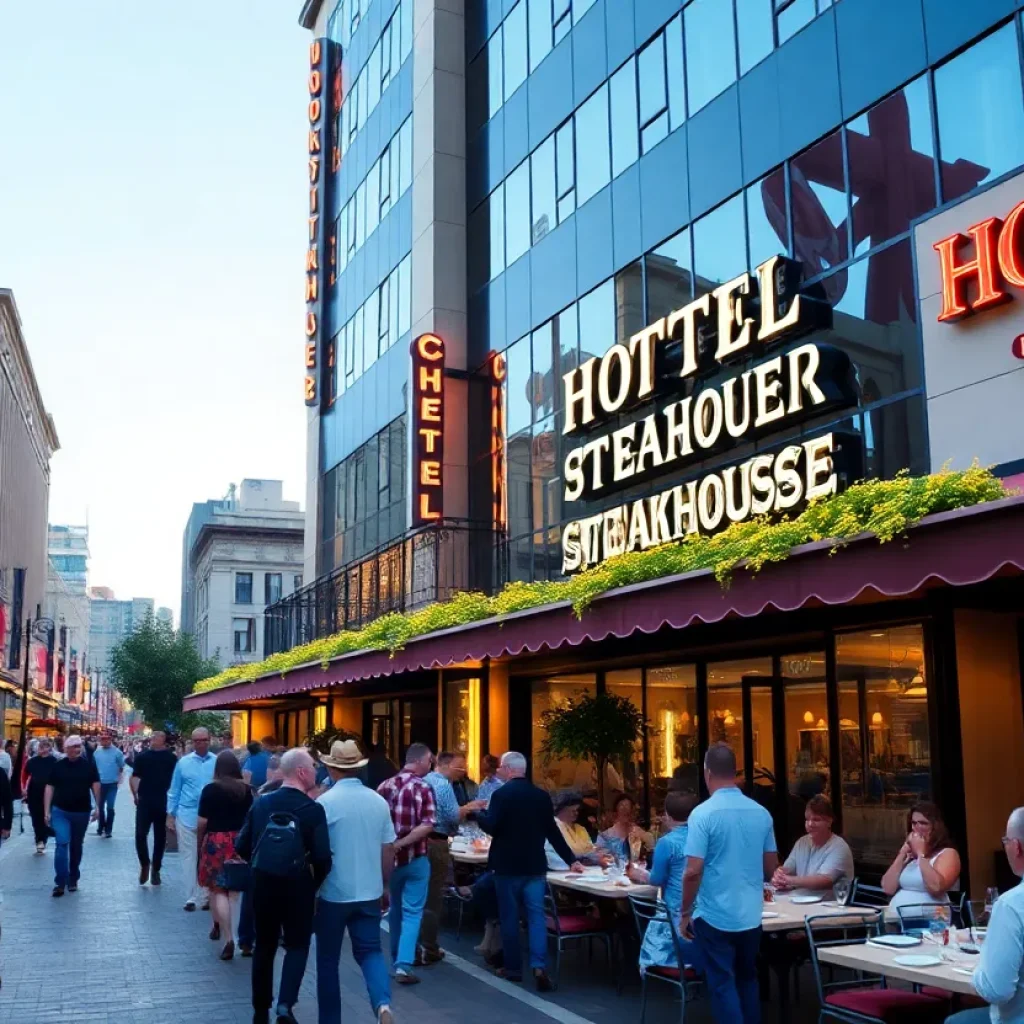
x: 344, y: 754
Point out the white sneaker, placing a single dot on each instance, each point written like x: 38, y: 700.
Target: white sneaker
x: 384, y: 1015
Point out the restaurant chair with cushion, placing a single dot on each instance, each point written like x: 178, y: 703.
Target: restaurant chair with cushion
x: 864, y: 999
x: 647, y: 911
x: 566, y: 925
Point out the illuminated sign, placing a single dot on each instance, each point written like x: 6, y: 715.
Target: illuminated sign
x: 499, y: 497
x: 997, y: 262
x: 733, y: 322
x: 428, y: 428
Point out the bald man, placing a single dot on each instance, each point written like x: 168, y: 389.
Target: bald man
x: 191, y: 774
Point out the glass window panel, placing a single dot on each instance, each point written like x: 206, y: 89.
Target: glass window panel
x: 517, y: 212
x: 373, y: 78
x: 626, y: 775
x: 393, y: 300
x: 980, y: 113
x: 406, y: 28
x: 818, y: 186
x: 806, y: 732
x: 496, y: 219
x: 542, y: 185
x: 405, y: 295
x: 544, y: 382
x: 357, y: 342
x: 794, y: 17
x: 580, y: 7
x: 725, y: 710
x: 395, y: 162
x: 515, y: 48
x: 719, y: 245
x: 565, y: 167
x: 669, y: 279
x: 519, y: 389
x: 384, y: 165
x: 565, y: 341
x: 364, y: 94
x: 651, y: 70
x: 754, y: 21
x: 562, y: 27
x: 892, y: 166
x: 371, y: 313
x: 885, y: 751
x: 629, y: 302
x: 624, y: 118
x: 672, y: 731
x: 494, y: 74
x: 546, y: 485
x: 372, y: 200
x: 675, y: 73
x: 767, y: 229
x: 554, y: 774
x: 520, y: 497
x: 462, y: 721
x: 396, y: 44
x: 342, y: 237
x: 593, y: 172
x: 405, y: 154
x: 710, y: 50
x: 894, y: 439
x: 539, y: 12
x: 361, y: 214
x: 597, y: 321
x: 384, y: 321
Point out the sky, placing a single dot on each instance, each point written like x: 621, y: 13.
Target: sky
x: 152, y: 228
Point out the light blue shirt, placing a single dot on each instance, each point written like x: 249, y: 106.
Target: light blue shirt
x: 489, y: 787
x: 999, y: 976
x: 730, y: 833
x: 447, y: 805
x: 668, y: 866
x: 109, y: 763
x: 191, y: 774
x: 359, y: 823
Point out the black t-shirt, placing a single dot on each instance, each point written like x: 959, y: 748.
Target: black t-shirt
x: 39, y: 769
x: 154, y: 769
x: 224, y: 807
x: 71, y: 781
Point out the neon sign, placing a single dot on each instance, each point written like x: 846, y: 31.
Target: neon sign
x: 428, y: 429
x: 499, y: 499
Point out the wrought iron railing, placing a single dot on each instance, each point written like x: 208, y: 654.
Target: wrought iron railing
x: 425, y: 565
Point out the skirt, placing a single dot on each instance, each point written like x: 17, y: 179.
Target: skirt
x: 217, y: 848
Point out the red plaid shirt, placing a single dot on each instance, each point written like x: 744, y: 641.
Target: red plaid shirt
x: 412, y: 803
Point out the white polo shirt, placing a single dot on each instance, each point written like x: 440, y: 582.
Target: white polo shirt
x: 359, y: 823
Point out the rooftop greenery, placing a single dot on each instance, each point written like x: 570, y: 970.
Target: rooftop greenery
x: 884, y: 508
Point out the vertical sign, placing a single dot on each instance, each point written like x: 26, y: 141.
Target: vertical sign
x: 428, y: 428
x: 499, y: 501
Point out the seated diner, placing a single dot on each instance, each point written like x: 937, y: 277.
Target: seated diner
x: 819, y: 859
x: 567, y: 807
x: 926, y: 867
x: 624, y: 833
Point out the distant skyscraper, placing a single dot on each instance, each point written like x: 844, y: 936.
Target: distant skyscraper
x: 111, y: 621
x: 67, y: 604
x: 164, y: 614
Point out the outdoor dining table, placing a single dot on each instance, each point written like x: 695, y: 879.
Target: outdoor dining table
x: 783, y: 915
x: 475, y: 858
x: 594, y: 885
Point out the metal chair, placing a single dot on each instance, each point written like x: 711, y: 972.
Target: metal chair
x: 646, y: 912
x: 451, y: 898
x: 862, y: 895
x: 565, y: 926
x: 864, y: 999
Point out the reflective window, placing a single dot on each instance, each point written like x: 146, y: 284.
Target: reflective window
x: 551, y: 773
x: 626, y: 775
x: 565, y: 343
x: 561, y: 15
x: 580, y: 7
x: 405, y: 153
x: 629, y: 302
x: 754, y: 22
x: 546, y: 483
x: 710, y: 50
x: 793, y: 17
x: 719, y: 245
x: 544, y: 388
x: 675, y: 73
x: 496, y: 219
x: 767, y: 229
x: 515, y: 48
x: 624, y: 123
x: 371, y: 324
x: 597, y: 321
x: 542, y: 186
x: 669, y: 280
x: 405, y: 295
x: 372, y: 200
x: 725, y: 712
x: 373, y: 77
x: 565, y: 166
x: 519, y: 390
x: 361, y: 214
x: 980, y: 113
x: 593, y: 170
x: 519, y: 501
x: 892, y: 165
x: 517, y: 213
x: 818, y: 187
x: 672, y: 730
x: 539, y: 12
x: 406, y: 28
x: 653, y: 93
x: 494, y: 74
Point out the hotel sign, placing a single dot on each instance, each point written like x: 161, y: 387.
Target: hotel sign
x: 427, y: 429
x: 688, y: 351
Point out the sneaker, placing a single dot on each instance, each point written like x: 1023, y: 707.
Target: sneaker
x: 285, y: 1015
x: 99, y: 832
x: 107, y: 835
x: 73, y: 887
x: 58, y: 890
x: 190, y: 905
x: 384, y: 1015
x: 144, y: 874
x: 155, y: 877
x: 245, y: 950
x: 39, y: 848
x: 405, y: 977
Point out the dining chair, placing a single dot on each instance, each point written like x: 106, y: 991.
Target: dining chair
x: 451, y: 898
x: 647, y: 911
x: 566, y: 925
x: 862, y: 895
x: 864, y: 999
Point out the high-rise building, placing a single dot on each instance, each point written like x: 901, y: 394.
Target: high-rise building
x: 68, y: 606
x: 111, y: 621
x: 165, y: 615
x: 245, y: 554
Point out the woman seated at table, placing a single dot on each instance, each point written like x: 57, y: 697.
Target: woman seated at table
x: 819, y: 859
x: 667, y: 873
x: 567, y: 808
x: 927, y: 866
x: 616, y: 839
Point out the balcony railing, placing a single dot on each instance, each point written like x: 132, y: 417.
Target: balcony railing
x: 428, y: 564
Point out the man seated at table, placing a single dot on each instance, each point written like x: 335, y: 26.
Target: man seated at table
x: 567, y: 807
x: 999, y: 976
x: 819, y: 859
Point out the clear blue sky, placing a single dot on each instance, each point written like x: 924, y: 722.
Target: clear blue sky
x: 152, y: 227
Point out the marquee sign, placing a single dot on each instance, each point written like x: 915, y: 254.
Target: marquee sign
x: 688, y: 351
x: 427, y: 429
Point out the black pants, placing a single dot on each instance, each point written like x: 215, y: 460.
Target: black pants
x: 151, y: 816
x: 35, y: 809
x: 280, y: 907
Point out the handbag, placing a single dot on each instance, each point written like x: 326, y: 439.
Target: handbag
x: 235, y: 876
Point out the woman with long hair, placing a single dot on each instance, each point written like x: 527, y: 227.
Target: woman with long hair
x: 223, y: 805
x: 927, y: 866
x: 616, y: 838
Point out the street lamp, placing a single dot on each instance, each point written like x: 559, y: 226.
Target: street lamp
x: 40, y: 629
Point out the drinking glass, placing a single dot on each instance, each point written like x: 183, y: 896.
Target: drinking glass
x: 615, y: 868
x: 841, y: 890
x: 991, y: 895
x: 635, y: 845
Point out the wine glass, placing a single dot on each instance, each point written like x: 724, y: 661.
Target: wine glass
x: 615, y: 868
x: 635, y: 845
x: 841, y: 890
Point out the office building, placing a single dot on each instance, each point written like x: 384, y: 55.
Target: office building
x: 110, y: 621
x: 69, y: 607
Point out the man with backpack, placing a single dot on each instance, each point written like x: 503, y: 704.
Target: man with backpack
x: 286, y: 842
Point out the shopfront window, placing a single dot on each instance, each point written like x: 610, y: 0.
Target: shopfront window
x: 885, y: 753
x: 807, y: 746
x: 626, y: 775
x: 710, y: 50
x: 725, y: 713
x: 673, y: 747
x: 553, y: 773
x: 462, y: 721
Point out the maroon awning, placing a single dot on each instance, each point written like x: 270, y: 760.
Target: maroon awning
x: 949, y: 549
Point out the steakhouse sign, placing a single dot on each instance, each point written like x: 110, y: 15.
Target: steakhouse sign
x: 736, y: 321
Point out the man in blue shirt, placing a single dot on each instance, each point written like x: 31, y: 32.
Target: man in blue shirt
x: 109, y: 763
x: 191, y: 774
x: 256, y: 765
x: 730, y: 854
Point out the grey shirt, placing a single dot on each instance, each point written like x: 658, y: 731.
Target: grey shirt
x: 833, y: 859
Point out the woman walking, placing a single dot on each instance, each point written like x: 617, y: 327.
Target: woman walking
x: 223, y: 805
x: 38, y: 770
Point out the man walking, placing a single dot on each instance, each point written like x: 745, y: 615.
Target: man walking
x: 149, y: 783
x: 520, y: 818
x: 38, y: 770
x: 413, y: 813
x: 256, y: 765
x: 285, y: 839
x: 191, y: 774
x: 109, y: 763
x: 352, y: 896
x: 451, y: 769
x: 66, y: 810
x: 730, y: 854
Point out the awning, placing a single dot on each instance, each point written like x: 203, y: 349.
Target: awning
x: 955, y: 549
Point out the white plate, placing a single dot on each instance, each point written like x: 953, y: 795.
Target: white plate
x: 917, y: 960
x: 770, y: 913
x: 805, y: 899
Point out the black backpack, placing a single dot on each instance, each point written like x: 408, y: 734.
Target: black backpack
x: 280, y: 850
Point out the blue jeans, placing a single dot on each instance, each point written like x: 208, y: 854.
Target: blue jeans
x: 528, y: 891
x: 485, y: 895
x: 363, y: 923
x: 408, y: 896
x: 246, y: 924
x: 69, y: 827
x: 108, y: 795
x: 729, y: 960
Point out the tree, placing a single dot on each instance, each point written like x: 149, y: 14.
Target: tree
x: 155, y: 667
x: 600, y: 727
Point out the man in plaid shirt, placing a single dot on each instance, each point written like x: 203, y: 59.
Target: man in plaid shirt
x: 414, y: 813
